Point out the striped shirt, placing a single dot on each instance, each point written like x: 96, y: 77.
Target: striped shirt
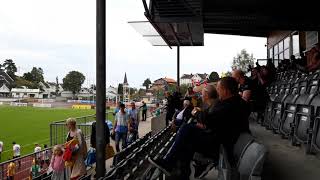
x: 122, y: 122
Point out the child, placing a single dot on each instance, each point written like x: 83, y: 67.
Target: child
x: 57, y: 163
x: 45, y: 156
x: 11, y: 170
x: 35, y: 170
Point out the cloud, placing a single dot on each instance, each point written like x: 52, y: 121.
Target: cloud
x: 59, y: 36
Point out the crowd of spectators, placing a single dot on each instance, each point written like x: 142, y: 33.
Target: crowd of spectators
x: 211, y: 116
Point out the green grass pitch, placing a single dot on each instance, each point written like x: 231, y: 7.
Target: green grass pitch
x: 28, y: 125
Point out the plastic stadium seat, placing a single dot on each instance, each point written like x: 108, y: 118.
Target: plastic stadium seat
x: 287, y: 120
x: 315, y: 143
x: 251, y: 163
x: 276, y: 118
x: 312, y: 91
x: 303, y: 126
x: 244, y: 140
x: 291, y: 97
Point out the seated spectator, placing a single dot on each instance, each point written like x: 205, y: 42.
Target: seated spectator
x: 245, y: 84
x: 221, y: 124
x: 170, y: 107
x: 314, y: 58
x: 184, y: 115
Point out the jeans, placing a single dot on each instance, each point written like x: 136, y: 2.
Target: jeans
x: 191, y: 139
x: 120, y: 136
x: 144, y: 115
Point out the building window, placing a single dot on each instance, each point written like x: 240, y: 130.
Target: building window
x: 25, y: 94
x: 311, y: 39
x: 286, y: 48
x: 271, y: 52
x: 295, y: 44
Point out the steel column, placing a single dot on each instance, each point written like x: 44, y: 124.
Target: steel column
x: 101, y: 87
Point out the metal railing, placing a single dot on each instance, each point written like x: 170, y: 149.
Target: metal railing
x: 59, y: 130
x: 24, y: 164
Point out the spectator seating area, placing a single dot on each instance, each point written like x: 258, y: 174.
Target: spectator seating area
x: 247, y: 163
x: 132, y: 162
x: 294, y: 109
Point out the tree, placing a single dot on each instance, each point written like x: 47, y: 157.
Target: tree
x: 242, y: 61
x: 35, y: 75
x: 226, y: 74
x: 120, y: 89
x: 57, y: 86
x: 183, y: 89
x: 93, y: 87
x: 73, y: 81
x: 146, y: 83
x: 10, y: 68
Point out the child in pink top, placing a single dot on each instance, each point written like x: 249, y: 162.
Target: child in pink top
x: 57, y: 164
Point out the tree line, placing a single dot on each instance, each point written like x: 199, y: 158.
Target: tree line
x: 71, y: 82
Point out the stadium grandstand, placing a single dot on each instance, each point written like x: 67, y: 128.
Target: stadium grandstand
x: 283, y: 141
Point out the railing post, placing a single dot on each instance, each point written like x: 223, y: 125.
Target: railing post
x: 51, y: 134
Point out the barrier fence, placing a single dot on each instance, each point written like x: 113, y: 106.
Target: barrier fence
x: 58, y: 133
x: 23, y: 164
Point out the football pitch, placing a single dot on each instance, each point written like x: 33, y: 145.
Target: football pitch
x: 29, y: 125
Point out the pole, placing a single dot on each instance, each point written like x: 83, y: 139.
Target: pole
x: 178, y: 65
x: 101, y: 87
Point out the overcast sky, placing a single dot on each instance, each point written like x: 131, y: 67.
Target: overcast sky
x: 59, y: 36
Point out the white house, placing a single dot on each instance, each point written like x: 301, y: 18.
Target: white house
x: 186, y: 79
x: 192, y: 79
x: 197, y: 78
x: 66, y: 94
x: 112, y: 94
x: 26, y: 93
x: 5, y: 82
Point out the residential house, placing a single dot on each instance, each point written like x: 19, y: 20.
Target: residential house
x: 5, y: 83
x: 198, y: 78
x: 186, y: 79
x: 162, y: 83
x: 26, y: 93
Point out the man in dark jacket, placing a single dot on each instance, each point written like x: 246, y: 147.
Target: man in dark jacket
x: 222, y: 124
x: 93, y: 134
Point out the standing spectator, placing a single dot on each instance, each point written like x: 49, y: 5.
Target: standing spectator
x: 170, y: 107
x: 133, y: 123
x: 1, y: 148
x: 157, y: 111
x: 16, y: 152
x: 117, y: 109
x: 11, y: 170
x: 37, y: 150
x: 245, y: 85
x: 45, y: 156
x: 144, y: 111
x: 35, y: 169
x: 57, y: 164
x: 93, y: 134
x: 121, y: 128
x: 191, y: 96
x: 78, y: 148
